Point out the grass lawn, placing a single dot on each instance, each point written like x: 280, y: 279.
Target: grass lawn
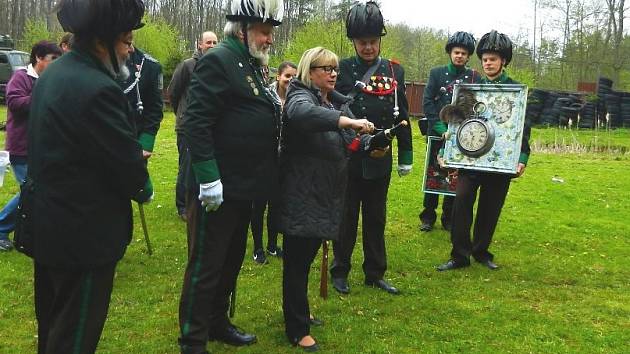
x: 563, y: 286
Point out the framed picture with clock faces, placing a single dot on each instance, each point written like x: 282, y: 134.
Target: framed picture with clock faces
x: 485, y: 127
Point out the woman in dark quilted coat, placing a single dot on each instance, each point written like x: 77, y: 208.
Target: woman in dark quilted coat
x: 318, y: 137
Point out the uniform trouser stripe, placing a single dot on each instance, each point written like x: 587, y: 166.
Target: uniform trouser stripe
x: 200, y: 233
x: 86, y: 289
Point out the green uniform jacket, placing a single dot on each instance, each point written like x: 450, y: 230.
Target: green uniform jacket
x: 231, y: 125
x: 439, y: 92
x: 85, y: 165
x: 151, y: 83
x: 527, y: 129
x: 378, y: 110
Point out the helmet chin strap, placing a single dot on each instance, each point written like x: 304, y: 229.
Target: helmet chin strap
x: 112, y: 57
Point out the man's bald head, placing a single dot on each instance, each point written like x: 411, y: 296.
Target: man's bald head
x: 206, y: 41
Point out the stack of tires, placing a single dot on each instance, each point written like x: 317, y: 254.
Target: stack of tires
x: 625, y: 109
x: 613, y: 108
x: 535, y: 104
x: 604, y: 88
x: 588, y: 115
x: 549, y: 115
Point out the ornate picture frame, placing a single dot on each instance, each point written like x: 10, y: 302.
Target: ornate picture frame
x: 505, y: 117
x: 437, y: 180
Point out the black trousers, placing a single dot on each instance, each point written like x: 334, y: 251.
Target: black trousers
x: 493, y: 188
x: 258, y: 213
x: 299, y: 253
x: 71, y: 307
x: 180, y: 185
x: 370, y: 197
x: 217, y: 248
x: 430, y: 203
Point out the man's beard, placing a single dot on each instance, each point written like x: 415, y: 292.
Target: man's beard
x: 259, y: 52
x: 123, y: 71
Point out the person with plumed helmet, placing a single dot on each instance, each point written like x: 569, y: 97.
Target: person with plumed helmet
x: 438, y: 93
x: 85, y: 166
x: 495, y: 52
x: 377, y: 86
x: 231, y: 128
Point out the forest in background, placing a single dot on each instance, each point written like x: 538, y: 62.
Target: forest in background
x: 574, y: 40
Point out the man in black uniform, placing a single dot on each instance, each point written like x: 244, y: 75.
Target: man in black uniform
x: 380, y: 98
x: 85, y: 167
x: 231, y: 128
x: 143, y: 89
x: 438, y: 93
x: 177, y: 91
x: 495, y: 52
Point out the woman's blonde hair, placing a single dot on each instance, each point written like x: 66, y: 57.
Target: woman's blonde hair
x: 318, y: 56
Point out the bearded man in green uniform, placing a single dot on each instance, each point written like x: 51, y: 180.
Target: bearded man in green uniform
x: 377, y: 86
x: 85, y: 167
x: 495, y: 52
x: 438, y: 93
x: 231, y: 128
x: 143, y: 89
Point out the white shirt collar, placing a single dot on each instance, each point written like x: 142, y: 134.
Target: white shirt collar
x: 30, y: 71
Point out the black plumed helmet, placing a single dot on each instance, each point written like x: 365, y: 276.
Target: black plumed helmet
x: 104, y: 19
x: 461, y: 39
x: 496, y: 42
x: 365, y: 20
x: 266, y: 11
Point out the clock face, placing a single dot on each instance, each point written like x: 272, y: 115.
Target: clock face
x: 475, y: 137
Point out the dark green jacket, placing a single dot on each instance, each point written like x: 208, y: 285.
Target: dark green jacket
x: 151, y: 83
x: 379, y: 110
x: 504, y: 79
x: 439, y: 92
x: 85, y: 164
x: 231, y: 125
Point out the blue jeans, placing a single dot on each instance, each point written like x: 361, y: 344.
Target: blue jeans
x: 9, y: 212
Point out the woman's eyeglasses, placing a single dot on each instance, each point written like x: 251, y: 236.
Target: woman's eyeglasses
x: 328, y: 69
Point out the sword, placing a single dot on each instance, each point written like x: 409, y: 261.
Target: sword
x: 323, y: 280
x: 232, y: 303
x: 143, y: 221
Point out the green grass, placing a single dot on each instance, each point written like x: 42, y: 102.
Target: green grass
x: 563, y: 286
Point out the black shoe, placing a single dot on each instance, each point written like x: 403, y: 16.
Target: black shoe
x: 425, y: 227
x: 233, y: 336
x: 275, y: 252
x: 314, y: 321
x: 451, y: 264
x: 307, y: 348
x: 490, y: 264
x: 259, y: 256
x: 446, y: 225
x: 182, y: 214
x: 341, y: 285
x: 383, y: 285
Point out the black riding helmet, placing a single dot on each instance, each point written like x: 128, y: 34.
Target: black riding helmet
x: 365, y: 20
x: 461, y: 39
x: 497, y: 43
x: 266, y: 11
x: 102, y: 19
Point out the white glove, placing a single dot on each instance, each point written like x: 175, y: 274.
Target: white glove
x: 404, y: 170
x: 211, y: 195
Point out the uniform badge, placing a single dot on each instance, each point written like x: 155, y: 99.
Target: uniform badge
x: 249, y: 78
x: 256, y: 91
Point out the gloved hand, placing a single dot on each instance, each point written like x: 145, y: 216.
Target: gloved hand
x: 404, y: 170
x: 211, y: 195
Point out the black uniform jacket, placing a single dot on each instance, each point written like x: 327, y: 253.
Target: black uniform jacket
x: 231, y: 124
x: 85, y: 164
x: 314, y: 169
x: 378, y: 110
x: 439, y: 92
x: 151, y: 84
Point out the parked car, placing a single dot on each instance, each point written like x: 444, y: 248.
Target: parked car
x: 10, y: 61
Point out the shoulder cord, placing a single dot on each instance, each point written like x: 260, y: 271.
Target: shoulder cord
x: 135, y: 84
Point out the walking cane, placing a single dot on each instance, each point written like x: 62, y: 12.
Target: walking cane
x: 232, y: 303
x: 143, y: 221
x: 323, y: 281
